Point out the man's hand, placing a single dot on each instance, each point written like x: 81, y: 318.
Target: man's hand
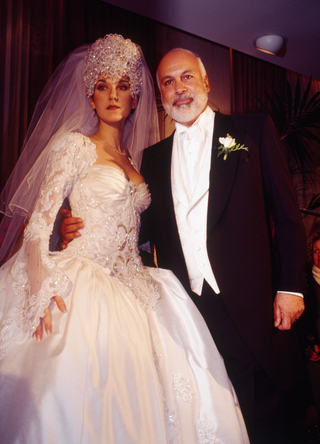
x: 46, y: 320
x: 287, y: 309
x: 69, y: 227
x: 313, y: 353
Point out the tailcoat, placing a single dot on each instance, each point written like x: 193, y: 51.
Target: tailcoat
x: 255, y: 236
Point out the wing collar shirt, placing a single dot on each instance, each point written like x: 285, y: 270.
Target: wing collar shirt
x: 190, y: 169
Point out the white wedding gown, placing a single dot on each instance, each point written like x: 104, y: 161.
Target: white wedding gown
x: 132, y: 362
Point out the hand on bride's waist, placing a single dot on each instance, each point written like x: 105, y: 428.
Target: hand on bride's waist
x: 70, y: 227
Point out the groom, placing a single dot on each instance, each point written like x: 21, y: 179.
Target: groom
x: 211, y: 220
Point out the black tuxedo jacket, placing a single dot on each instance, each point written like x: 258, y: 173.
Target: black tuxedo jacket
x: 250, y: 264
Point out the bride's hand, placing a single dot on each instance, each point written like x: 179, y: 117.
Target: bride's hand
x: 46, y: 320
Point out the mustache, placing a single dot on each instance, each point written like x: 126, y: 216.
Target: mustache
x: 181, y: 97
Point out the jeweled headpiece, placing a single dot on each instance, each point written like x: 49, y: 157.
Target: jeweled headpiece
x: 113, y: 57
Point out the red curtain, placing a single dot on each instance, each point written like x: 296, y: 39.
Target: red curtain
x: 36, y: 35
x: 252, y: 78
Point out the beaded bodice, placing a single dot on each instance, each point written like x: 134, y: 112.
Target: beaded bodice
x: 110, y: 207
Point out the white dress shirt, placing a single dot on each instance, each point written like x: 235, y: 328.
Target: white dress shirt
x: 190, y: 169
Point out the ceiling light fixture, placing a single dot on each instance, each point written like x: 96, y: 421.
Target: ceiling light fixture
x: 271, y: 44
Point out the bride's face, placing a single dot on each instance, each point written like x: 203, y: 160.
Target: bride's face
x: 112, y: 100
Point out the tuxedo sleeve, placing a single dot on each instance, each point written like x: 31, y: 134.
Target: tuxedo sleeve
x: 145, y: 223
x: 289, y: 231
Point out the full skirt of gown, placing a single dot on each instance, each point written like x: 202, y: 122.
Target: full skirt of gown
x: 132, y: 361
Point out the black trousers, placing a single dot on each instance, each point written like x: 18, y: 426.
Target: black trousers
x: 264, y: 406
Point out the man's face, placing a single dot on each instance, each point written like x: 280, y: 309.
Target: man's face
x: 184, y: 90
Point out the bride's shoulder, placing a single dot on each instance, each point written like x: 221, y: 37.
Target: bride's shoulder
x: 77, y: 147
x: 79, y: 139
x: 82, y: 142
x: 69, y: 141
x: 86, y: 148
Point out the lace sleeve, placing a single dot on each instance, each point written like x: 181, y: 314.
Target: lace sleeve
x: 31, y: 277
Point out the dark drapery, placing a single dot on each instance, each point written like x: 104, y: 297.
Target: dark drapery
x: 251, y: 78
x: 36, y: 35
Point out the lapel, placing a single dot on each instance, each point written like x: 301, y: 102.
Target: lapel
x: 164, y: 155
x: 163, y: 162
x: 164, y: 150
x: 222, y: 173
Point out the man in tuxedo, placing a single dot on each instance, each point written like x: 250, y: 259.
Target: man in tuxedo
x: 211, y: 221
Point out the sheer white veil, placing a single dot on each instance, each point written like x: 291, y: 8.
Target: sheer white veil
x: 63, y: 107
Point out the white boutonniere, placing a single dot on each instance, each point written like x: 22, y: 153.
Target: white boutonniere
x: 228, y: 144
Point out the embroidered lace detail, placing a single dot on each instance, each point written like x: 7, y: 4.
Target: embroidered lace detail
x: 182, y: 388
x: 110, y: 236
x: 171, y: 422
x: 206, y: 431
x: 34, y: 276
x: 29, y: 307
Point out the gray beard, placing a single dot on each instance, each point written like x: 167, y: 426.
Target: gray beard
x: 187, y: 112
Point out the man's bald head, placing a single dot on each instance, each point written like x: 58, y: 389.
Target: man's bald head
x: 183, y: 84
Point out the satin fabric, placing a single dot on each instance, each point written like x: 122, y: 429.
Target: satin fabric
x: 115, y: 370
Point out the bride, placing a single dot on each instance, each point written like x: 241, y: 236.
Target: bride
x: 95, y: 347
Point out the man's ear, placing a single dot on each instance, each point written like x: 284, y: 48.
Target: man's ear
x: 92, y: 104
x: 206, y: 83
x: 134, y: 102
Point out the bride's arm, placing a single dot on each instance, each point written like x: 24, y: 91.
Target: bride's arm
x: 63, y: 172
x: 35, y: 277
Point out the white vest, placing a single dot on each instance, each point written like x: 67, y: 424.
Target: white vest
x: 190, y: 170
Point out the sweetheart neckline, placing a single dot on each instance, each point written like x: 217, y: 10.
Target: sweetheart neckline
x: 120, y: 172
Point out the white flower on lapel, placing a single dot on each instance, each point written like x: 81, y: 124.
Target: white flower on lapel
x: 228, y: 144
